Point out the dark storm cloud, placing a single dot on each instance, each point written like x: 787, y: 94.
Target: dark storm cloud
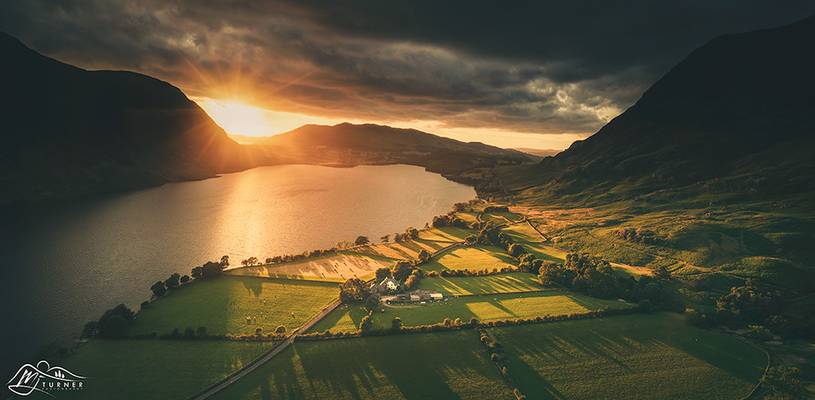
x: 538, y: 67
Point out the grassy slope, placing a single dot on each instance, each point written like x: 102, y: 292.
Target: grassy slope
x: 653, y: 356
x: 445, y: 234
x: 472, y: 258
x: 504, y: 283
x: 155, y: 369
x: 483, y: 307
x: 448, y: 365
x: 333, y: 268
x: 222, y: 305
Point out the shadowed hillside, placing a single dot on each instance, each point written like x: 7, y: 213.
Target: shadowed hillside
x: 711, y: 174
x: 69, y: 132
x: 736, y: 114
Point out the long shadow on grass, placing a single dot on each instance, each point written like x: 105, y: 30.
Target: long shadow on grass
x: 418, y: 367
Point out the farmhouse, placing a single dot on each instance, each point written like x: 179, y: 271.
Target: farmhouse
x: 388, y: 285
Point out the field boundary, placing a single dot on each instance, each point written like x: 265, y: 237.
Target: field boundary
x: 763, y: 374
x: 265, y: 357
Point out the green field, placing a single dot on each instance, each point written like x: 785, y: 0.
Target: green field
x: 344, y: 319
x: 445, y: 234
x: 448, y: 365
x: 472, y: 258
x: 332, y: 268
x: 223, y: 304
x: 522, y: 233
x: 503, y: 283
x: 155, y: 369
x: 485, y: 308
x: 652, y: 356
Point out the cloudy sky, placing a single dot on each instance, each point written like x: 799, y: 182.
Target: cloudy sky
x: 511, y: 74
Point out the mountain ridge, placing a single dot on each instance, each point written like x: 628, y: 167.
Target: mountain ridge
x: 725, y: 112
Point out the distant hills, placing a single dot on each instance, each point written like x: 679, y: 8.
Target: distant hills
x: 70, y: 132
x: 736, y: 115
x: 349, y: 144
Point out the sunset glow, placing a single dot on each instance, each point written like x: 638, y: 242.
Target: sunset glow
x: 240, y: 118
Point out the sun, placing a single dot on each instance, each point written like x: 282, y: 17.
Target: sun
x: 238, y: 118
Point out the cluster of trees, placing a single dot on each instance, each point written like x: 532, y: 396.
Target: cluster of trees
x: 441, y: 221
x: 595, y: 277
x: 302, y: 256
x: 188, y: 334
x: 527, y: 262
x: 354, y: 290
x: 412, y: 281
x: 495, y: 209
x: 497, y: 356
x: 210, y: 269
x: 638, y: 235
x: 160, y: 288
x: 467, y: 272
x: 113, y: 324
x: 758, y: 308
x: 409, y: 234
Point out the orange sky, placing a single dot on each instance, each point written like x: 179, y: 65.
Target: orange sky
x: 241, y: 118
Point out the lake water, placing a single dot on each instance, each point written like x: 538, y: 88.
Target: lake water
x: 65, y: 266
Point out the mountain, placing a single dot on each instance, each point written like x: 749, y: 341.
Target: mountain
x: 538, y: 152
x: 70, y: 132
x: 349, y: 144
x: 735, y: 115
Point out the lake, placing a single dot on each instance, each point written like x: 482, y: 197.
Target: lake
x: 65, y: 265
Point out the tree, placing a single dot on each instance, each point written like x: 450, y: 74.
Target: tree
x: 662, y: 273
x: 224, y: 261
x: 250, y: 262
x: 189, y: 333
x: 412, y: 233
x: 361, y: 241
x: 372, y: 302
x: 113, y: 327
x: 185, y: 279
x: 382, y: 273
x: 424, y: 256
x: 354, y: 291
x: 280, y: 330
x: 114, y: 322
x: 401, y: 270
x: 90, y: 329
x: 516, y: 250
x: 159, y: 289
x: 396, y: 324
x: 173, y: 281
x: 201, y: 332
x: 385, y: 239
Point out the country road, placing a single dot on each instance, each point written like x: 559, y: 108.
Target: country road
x: 260, y: 361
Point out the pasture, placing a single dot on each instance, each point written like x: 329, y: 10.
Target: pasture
x: 160, y: 369
x: 637, y: 357
x: 221, y: 305
x: 447, y: 365
x: 472, y: 258
x: 448, y: 234
x: 485, y: 308
x: 469, y: 285
x: 334, y: 268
